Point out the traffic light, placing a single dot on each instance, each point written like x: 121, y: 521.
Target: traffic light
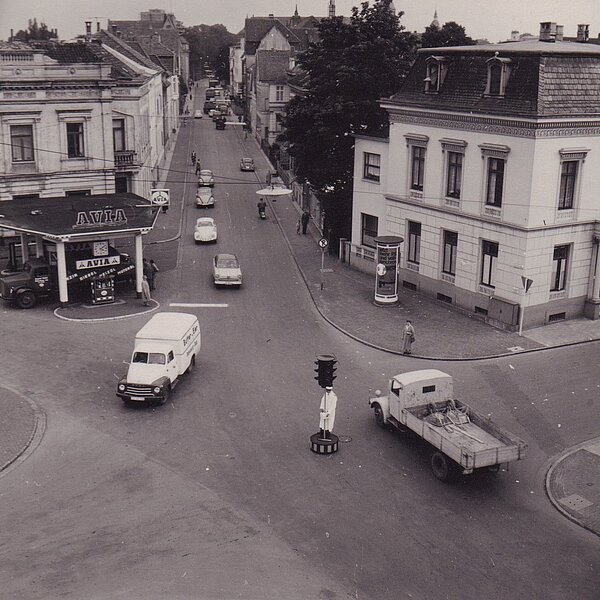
x: 325, y: 369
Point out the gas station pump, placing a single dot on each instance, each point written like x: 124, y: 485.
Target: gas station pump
x: 103, y: 290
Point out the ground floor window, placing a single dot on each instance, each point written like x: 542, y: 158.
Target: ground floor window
x: 560, y: 260
x: 369, y: 225
x: 414, y: 242
x: 489, y: 251
x: 449, y: 252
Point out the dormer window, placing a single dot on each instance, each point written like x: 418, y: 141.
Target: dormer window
x: 436, y: 73
x: 497, y: 76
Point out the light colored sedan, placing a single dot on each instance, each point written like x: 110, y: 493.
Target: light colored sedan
x: 204, y: 198
x: 197, y: 114
x: 246, y: 164
x: 206, y: 230
x: 226, y: 270
x: 206, y: 178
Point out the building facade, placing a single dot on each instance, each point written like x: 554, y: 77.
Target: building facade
x: 490, y: 175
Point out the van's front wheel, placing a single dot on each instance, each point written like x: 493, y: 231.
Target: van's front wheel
x: 192, y: 364
x: 165, y: 397
x: 378, y: 412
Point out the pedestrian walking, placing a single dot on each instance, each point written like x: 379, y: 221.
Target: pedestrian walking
x: 194, y: 156
x: 305, y: 220
x: 198, y: 167
x: 408, y: 337
x: 299, y: 225
x: 146, y: 297
x: 155, y: 270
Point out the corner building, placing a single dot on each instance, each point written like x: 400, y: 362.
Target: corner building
x: 490, y: 174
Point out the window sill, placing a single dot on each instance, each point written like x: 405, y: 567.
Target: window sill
x: 448, y: 278
x: 567, y: 214
x: 453, y: 202
x: 486, y: 289
x: 371, y: 180
x: 557, y: 295
x: 415, y: 194
x: 492, y: 211
x: 412, y: 266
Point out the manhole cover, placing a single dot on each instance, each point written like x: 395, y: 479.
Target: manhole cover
x: 575, y: 502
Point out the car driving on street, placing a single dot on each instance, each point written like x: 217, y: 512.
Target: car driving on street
x: 247, y: 164
x: 226, y: 270
x: 204, y: 198
x: 197, y: 114
x: 206, y: 178
x: 205, y: 231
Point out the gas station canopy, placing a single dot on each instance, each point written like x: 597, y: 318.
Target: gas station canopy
x: 73, y: 218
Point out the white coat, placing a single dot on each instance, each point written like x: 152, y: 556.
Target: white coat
x: 328, y: 405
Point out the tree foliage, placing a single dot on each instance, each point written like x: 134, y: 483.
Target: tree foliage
x: 35, y: 32
x: 450, y: 34
x: 221, y: 64
x: 353, y: 65
x: 205, y: 43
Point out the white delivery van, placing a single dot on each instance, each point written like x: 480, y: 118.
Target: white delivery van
x: 165, y: 348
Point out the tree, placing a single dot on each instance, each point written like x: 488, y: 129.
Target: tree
x: 349, y: 69
x: 205, y: 43
x: 450, y: 34
x: 222, y: 64
x: 35, y: 32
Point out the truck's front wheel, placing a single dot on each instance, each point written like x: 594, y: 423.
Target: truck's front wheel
x: 165, y: 397
x: 443, y: 468
x: 26, y: 299
x: 378, y: 412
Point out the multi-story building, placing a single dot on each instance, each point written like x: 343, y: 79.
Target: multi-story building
x: 490, y: 174
x: 78, y: 119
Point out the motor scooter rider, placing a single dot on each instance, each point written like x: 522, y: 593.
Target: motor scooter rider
x: 262, y: 207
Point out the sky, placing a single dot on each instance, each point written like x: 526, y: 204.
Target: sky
x: 488, y: 19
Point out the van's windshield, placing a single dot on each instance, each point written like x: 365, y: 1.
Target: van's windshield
x: 149, y: 358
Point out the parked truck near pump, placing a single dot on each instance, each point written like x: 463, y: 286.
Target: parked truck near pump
x: 165, y: 348
x: 462, y: 440
x: 39, y: 279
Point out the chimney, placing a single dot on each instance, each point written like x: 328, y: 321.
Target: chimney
x: 514, y: 36
x: 12, y: 34
x: 583, y: 33
x: 548, y: 32
x: 88, y: 31
x: 559, y: 33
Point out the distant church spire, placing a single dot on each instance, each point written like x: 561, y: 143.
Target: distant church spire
x: 296, y: 11
x: 331, y: 9
x: 435, y: 22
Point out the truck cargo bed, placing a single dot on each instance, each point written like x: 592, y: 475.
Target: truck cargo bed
x: 471, y: 440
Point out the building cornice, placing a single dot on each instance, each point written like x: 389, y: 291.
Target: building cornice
x: 482, y: 219
x: 518, y: 127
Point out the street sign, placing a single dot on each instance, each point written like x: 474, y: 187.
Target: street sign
x: 323, y: 243
x: 526, y: 283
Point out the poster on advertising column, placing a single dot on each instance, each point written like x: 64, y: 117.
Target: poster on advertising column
x: 386, y: 270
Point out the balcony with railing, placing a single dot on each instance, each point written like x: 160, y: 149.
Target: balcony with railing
x: 125, y: 159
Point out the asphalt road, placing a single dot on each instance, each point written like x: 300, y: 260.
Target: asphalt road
x: 216, y: 495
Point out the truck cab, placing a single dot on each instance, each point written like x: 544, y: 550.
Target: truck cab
x: 24, y: 287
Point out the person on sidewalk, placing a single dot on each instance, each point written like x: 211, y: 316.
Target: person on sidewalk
x: 146, y: 269
x: 155, y: 270
x: 194, y: 156
x: 198, y: 167
x: 146, y: 297
x: 305, y: 220
x: 408, y: 337
x: 299, y: 225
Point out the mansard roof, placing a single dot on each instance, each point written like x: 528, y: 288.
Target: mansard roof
x: 545, y: 80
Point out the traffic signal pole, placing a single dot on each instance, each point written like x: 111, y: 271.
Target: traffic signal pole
x: 325, y: 442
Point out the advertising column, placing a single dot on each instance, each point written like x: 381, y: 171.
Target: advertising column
x: 386, y: 272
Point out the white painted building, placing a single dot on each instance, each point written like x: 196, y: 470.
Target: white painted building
x: 490, y: 174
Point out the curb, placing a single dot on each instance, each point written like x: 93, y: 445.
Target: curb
x: 547, y: 484
x: 39, y: 428
x: 102, y: 319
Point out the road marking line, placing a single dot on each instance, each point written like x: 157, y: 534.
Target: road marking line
x: 197, y: 305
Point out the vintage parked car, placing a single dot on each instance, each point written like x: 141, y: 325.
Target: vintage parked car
x: 204, y: 198
x: 206, y: 230
x: 206, y: 178
x: 220, y: 123
x: 197, y: 114
x: 247, y: 164
x: 214, y: 114
x: 226, y: 270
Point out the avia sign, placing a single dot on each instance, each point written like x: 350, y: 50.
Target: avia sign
x: 101, y: 261
x: 107, y: 216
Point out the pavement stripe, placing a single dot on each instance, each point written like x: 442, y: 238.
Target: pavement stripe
x: 197, y: 305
